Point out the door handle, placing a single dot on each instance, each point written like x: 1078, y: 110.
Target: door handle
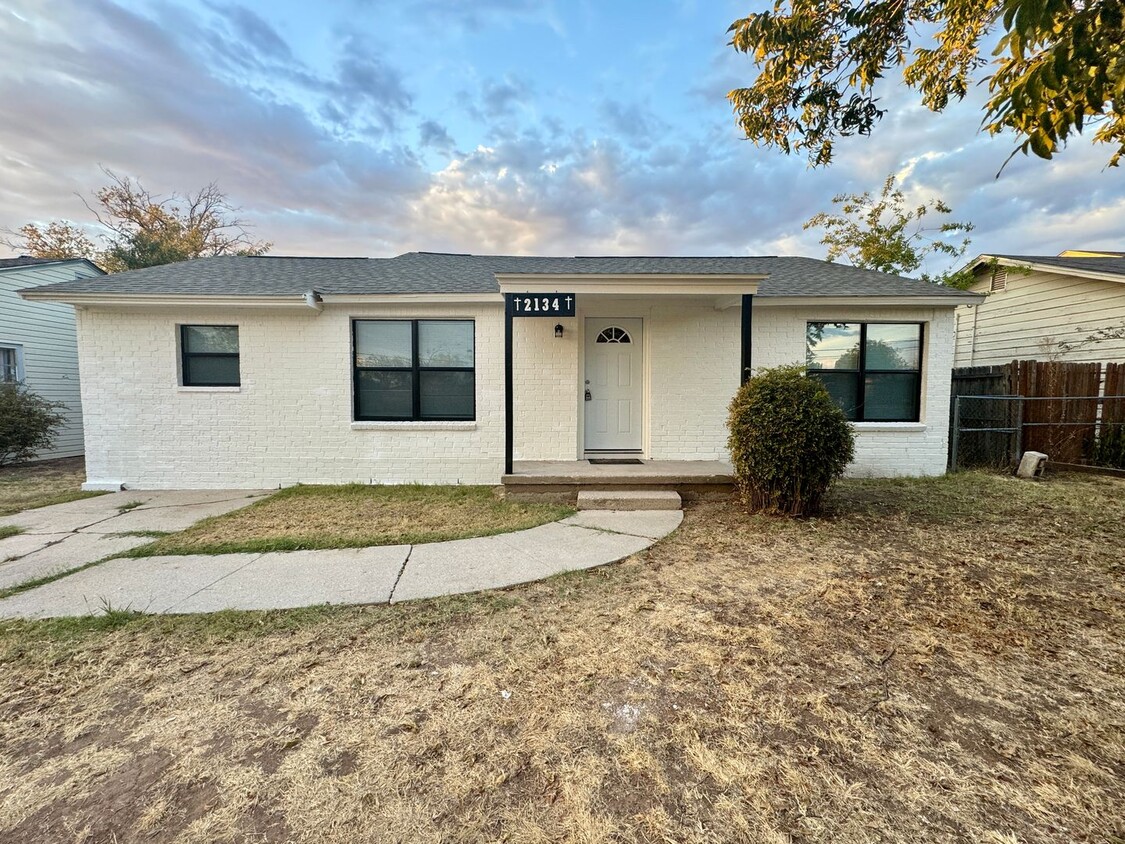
x: 589, y: 396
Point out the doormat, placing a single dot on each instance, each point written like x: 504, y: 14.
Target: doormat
x: 616, y: 461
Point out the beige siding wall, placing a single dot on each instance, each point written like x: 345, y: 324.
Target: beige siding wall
x: 1036, y: 312
x: 45, y: 332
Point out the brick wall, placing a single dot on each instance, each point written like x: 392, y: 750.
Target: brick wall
x: 545, y: 373
x: 693, y: 374
x: 882, y: 449
x: 291, y: 419
x: 289, y: 422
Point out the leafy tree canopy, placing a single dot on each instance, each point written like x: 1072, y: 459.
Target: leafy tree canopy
x: 882, y: 233
x: 140, y: 229
x: 1058, y: 67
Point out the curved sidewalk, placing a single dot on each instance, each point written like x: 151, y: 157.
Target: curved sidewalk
x: 381, y: 574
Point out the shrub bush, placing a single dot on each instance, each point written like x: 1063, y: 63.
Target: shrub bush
x: 27, y: 423
x: 788, y: 441
x: 1109, y: 447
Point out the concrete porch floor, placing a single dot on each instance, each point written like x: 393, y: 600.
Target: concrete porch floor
x: 563, y: 479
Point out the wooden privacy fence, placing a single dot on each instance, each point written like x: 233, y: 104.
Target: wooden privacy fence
x: 1073, y: 412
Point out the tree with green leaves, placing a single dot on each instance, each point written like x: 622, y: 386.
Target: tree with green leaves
x: 1056, y: 67
x: 28, y: 423
x: 141, y: 229
x: 883, y: 233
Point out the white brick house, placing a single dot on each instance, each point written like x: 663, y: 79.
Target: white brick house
x: 260, y: 372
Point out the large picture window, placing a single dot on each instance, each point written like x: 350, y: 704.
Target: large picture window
x: 209, y: 356
x: 414, y: 370
x: 873, y: 370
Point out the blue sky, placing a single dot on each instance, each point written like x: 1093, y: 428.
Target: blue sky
x: 372, y: 127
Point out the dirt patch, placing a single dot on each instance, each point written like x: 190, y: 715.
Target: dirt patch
x: 944, y: 662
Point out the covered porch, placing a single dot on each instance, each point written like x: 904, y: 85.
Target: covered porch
x: 639, y: 366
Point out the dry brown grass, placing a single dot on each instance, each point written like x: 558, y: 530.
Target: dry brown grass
x: 32, y: 485
x: 940, y: 661
x: 356, y: 516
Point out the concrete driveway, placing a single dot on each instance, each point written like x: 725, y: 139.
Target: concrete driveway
x: 66, y: 536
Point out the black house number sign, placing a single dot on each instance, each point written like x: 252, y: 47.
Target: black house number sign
x: 542, y: 304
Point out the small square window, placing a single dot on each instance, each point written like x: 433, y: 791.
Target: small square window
x: 209, y: 356
x: 11, y: 364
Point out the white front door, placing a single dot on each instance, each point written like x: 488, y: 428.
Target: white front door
x: 613, y: 384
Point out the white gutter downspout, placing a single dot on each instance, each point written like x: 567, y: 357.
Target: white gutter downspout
x: 313, y: 300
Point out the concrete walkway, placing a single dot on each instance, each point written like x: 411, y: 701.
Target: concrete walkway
x: 279, y: 580
x: 65, y: 536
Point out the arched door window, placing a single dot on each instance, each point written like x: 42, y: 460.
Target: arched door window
x: 613, y: 334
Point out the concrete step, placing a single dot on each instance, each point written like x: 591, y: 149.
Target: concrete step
x: 617, y: 499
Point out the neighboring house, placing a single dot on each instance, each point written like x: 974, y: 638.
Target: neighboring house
x: 1069, y: 307
x: 257, y: 372
x: 38, y: 345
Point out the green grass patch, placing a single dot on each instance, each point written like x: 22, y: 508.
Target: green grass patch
x: 9, y: 530
x: 356, y: 516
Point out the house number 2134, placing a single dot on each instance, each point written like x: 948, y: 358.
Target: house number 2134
x: 555, y: 305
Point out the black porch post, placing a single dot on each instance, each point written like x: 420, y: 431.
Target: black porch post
x: 747, y: 334
x: 508, y: 405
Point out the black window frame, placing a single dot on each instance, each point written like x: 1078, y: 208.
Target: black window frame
x: 862, y: 372
x: 186, y: 356
x: 415, y: 369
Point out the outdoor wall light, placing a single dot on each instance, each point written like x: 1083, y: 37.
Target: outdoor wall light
x: 558, y: 329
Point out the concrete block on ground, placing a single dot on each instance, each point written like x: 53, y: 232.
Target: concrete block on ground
x: 655, y: 524
x: 1031, y: 464
x: 605, y: 499
x: 286, y: 579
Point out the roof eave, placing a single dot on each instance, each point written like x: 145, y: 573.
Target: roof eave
x: 697, y: 284
x: 149, y: 300
x: 285, y: 300
x: 984, y: 260
x: 946, y: 300
x: 43, y: 264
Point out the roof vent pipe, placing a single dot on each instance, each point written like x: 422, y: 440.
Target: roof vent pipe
x: 313, y: 300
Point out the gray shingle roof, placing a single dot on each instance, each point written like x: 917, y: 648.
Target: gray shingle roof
x: 1115, y: 266
x: 23, y: 261
x: 28, y: 261
x: 429, y: 272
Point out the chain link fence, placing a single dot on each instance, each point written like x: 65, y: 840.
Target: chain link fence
x: 991, y: 432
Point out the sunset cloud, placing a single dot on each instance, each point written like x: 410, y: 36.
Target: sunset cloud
x: 370, y: 128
